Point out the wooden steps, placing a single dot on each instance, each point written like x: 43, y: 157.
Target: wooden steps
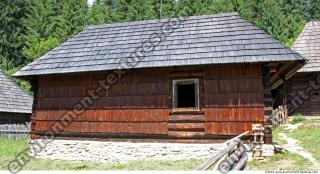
x: 188, y: 126
x: 186, y: 118
x: 185, y: 134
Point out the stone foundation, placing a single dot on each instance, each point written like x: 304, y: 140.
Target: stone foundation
x: 105, y: 151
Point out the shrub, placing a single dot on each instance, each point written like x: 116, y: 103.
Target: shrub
x: 297, y: 119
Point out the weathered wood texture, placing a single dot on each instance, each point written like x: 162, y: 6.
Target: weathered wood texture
x: 231, y: 98
x: 137, y: 103
x: 268, y: 102
x: 303, y: 94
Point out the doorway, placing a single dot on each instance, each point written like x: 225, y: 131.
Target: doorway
x: 185, y: 94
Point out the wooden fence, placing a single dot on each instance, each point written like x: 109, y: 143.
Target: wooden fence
x: 14, y: 131
x: 279, y: 116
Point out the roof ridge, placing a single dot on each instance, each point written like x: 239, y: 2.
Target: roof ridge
x: 171, y: 49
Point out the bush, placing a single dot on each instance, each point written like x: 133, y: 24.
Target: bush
x: 297, y: 119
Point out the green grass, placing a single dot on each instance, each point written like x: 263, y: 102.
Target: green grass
x: 309, y: 136
x: 10, y: 148
x: 298, y: 119
x: 284, y: 161
x: 41, y: 164
x: 287, y: 160
x: 276, y: 137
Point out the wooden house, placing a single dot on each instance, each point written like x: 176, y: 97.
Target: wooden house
x: 303, y: 89
x: 15, y: 104
x: 194, y: 78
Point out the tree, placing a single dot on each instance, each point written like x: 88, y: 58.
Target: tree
x: 294, y: 10
x: 164, y: 8
x: 101, y: 12
x: 74, y: 15
x: 206, y: 7
x: 313, y: 9
x: 141, y: 10
x: 44, y: 29
x: 12, y: 31
x: 184, y: 8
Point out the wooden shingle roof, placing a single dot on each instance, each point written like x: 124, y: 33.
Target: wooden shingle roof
x: 199, y: 40
x: 12, y: 98
x: 308, y: 45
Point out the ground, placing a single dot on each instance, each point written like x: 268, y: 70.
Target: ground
x: 305, y: 133
x: 301, y: 139
x: 11, y: 148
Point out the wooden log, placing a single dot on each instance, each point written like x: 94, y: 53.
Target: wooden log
x: 227, y: 164
x: 217, y: 157
x: 241, y: 164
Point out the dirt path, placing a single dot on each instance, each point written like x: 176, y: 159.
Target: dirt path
x: 293, y: 146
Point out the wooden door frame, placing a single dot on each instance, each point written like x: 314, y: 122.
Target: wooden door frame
x: 194, y: 81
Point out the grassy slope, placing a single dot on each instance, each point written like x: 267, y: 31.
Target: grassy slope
x: 284, y: 161
x: 276, y: 137
x: 309, y: 136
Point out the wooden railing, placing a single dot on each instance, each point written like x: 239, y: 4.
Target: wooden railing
x: 233, y: 157
x: 14, y: 131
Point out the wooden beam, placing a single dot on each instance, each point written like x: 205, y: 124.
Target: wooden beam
x: 284, y: 73
x: 279, y: 72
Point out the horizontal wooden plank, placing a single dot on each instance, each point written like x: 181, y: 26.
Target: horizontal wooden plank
x: 116, y: 115
x: 186, y: 126
x: 234, y: 114
x: 92, y: 79
x: 234, y: 71
x: 234, y: 86
x: 180, y: 134
x: 186, y: 74
x: 155, y: 101
x: 186, y: 118
x: 121, y: 89
x: 236, y: 99
x: 228, y: 128
x: 115, y: 127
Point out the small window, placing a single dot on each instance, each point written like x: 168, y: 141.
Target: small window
x: 186, y: 94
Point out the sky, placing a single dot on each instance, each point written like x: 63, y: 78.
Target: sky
x: 90, y: 2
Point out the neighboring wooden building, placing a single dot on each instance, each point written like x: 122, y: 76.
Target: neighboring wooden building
x: 304, y: 87
x: 15, y: 104
x: 208, y: 79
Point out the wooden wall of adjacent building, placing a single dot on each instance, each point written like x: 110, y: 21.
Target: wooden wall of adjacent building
x: 231, y: 97
x: 303, y: 91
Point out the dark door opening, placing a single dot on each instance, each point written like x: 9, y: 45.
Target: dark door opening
x: 186, y: 96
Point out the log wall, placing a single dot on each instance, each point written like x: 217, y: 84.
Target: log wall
x: 303, y: 97
x: 231, y: 98
x: 137, y: 103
